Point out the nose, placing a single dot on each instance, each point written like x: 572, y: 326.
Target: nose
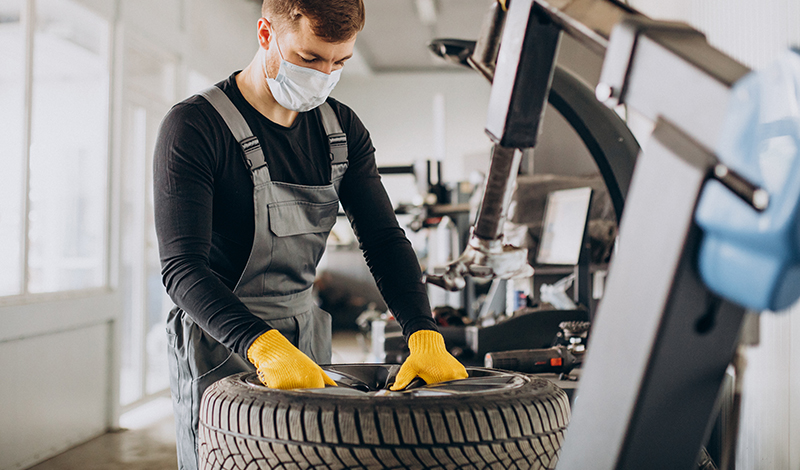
x: 326, y: 67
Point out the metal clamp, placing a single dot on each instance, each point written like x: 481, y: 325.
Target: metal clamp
x: 484, y: 259
x: 756, y: 197
x: 613, y: 82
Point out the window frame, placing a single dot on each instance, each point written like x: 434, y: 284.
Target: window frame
x: 28, y: 22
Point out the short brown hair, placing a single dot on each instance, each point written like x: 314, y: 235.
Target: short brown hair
x: 331, y: 20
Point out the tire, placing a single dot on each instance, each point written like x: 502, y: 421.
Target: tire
x: 493, y: 419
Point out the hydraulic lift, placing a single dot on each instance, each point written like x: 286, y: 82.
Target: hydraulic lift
x: 705, y: 235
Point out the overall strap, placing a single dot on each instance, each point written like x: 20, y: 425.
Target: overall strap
x: 336, y: 138
x: 253, y: 155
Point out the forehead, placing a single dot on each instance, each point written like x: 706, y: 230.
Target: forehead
x: 303, y: 39
x: 304, y: 29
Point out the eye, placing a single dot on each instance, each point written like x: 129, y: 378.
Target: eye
x: 308, y: 61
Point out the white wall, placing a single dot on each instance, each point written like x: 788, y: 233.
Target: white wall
x: 442, y: 116
x: 419, y: 116
x: 755, y: 33
x: 59, y: 353
x: 58, y: 386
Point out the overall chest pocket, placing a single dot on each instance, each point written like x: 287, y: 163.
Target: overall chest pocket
x: 287, y: 219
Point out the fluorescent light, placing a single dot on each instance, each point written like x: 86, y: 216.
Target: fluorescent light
x: 426, y: 10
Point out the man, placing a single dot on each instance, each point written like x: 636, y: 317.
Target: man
x: 248, y: 179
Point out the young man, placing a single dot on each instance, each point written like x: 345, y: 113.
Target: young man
x: 248, y: 179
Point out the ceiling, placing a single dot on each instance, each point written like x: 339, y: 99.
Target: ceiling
x: 397, y: 32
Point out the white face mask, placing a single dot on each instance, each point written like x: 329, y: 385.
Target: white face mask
x: 300, y: 88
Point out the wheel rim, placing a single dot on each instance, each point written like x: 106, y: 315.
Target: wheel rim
x: 375, y: 379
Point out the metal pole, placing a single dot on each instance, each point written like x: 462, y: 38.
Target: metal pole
x: 499, y: 188
x: 29, y: 27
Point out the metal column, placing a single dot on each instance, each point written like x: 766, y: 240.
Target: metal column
x: 661, y: 342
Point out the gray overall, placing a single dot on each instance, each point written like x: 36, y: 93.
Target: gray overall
x: 292, y: 223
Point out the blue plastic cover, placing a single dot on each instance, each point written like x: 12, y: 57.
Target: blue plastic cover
x: 752, y: 258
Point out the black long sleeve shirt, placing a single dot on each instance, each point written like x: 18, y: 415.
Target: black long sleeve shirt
x: 203, y: 198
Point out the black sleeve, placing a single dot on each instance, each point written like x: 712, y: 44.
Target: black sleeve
x: 186, y: 156
x: 389, y: 255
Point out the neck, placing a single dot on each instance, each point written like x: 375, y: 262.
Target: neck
x: 253, y: 84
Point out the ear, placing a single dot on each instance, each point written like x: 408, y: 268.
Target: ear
x: 264, y: 33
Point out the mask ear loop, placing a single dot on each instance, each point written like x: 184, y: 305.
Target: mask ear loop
x: 272, y: 31
x: 264, y: 65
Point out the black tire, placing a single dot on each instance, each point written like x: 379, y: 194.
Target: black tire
x: 494, y: 419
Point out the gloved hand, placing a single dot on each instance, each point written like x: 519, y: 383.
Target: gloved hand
x: 281, y: 365
x: 429, y: 360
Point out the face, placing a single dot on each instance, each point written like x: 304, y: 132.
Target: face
x: 302, y: 47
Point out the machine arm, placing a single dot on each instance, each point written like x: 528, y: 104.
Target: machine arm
x: 521, y: 72
x: 486, y: 255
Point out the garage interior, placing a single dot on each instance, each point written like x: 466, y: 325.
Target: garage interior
x: 86, y: 84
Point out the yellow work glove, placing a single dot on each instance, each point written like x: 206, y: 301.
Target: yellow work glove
x: 429, y: 360
x: 281, y: 365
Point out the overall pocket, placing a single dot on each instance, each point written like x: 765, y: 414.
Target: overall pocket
x: 300, y: 232
x: 288, y: 219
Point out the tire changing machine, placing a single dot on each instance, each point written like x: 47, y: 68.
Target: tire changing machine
x: 708, y: 232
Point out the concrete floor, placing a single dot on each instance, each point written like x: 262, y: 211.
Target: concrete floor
x: 149, y: 448
x: 147, y: 441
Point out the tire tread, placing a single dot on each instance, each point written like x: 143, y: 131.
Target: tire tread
x: 246, y: 431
